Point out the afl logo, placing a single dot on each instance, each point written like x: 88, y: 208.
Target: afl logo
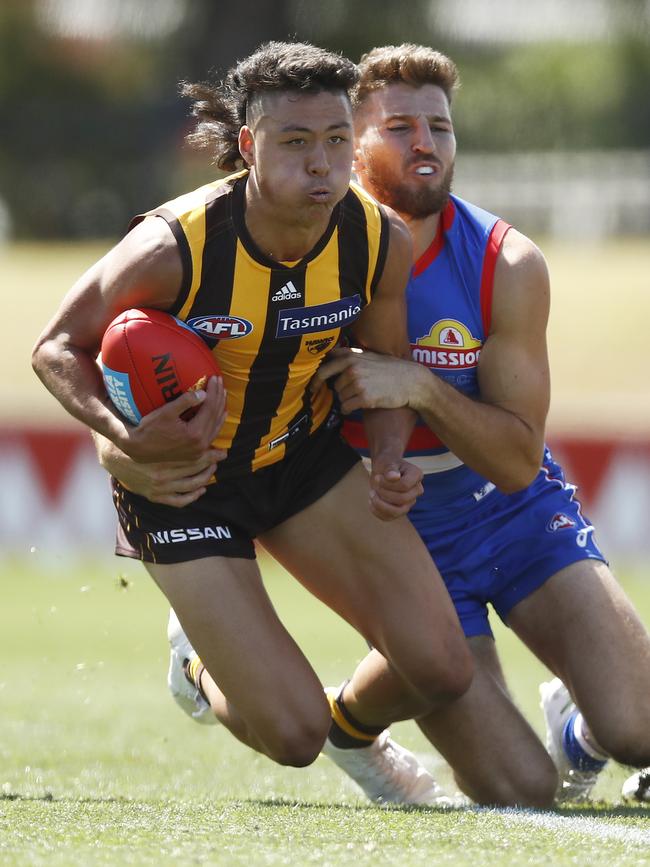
x: 215, y: 328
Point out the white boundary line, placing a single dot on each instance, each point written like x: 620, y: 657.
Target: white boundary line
x: 587, y: 826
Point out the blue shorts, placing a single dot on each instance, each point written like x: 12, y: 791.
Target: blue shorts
x: 498, y: 548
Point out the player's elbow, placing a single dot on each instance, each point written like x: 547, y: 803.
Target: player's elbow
x: 42, y: 356
x: 520, y: 474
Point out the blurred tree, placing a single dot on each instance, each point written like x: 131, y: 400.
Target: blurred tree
x: 92, y: 129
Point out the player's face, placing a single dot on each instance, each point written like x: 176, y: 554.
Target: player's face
x: 405, y: 148
x: 301, y: 147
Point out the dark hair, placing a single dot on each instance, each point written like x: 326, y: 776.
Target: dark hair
x: 412, y: 64
x: 275, y: 66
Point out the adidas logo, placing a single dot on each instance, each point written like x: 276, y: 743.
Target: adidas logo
x: 288, y: 292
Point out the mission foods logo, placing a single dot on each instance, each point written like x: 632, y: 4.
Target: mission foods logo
x: 214, y: 328
x: 322, y: 317
x: 449, y: 344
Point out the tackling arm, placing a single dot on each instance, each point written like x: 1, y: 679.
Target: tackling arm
x: 395, y: 483
x: 500, y: 436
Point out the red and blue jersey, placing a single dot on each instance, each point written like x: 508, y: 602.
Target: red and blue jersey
x: 489, y: 546
x: 449, y: 300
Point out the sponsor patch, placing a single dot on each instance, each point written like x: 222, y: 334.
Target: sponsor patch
x: 318, y: 346
x: 214, y: 327
x: 118, y: 387
x: 288, y: 292
x: 487, y: 488
x: 189, y: 534
x: 448, y: 344
x: 560, y: 521
x: 323, y: 317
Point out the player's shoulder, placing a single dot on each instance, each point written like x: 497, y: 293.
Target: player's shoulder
x: 521, y: 256
x: 182, y: 207
x: 521, y: 292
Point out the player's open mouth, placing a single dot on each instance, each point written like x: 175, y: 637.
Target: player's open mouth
x: 426, y: 170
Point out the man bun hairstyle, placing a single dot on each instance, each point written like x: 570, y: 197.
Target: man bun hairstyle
x: 408, y: 63
x: 222, y: 108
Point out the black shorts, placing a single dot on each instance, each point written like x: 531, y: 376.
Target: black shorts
x: 226, y: 519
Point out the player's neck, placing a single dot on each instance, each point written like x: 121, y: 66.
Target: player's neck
x: 423, y: 231
x: 285, y: 237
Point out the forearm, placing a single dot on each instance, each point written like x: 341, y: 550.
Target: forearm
x: 110, y: 457
x: 490, y: 439
x: 388, y: 431
x: 74, y: 379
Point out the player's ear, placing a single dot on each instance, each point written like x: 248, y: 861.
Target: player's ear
x: 247, y: 145
x: 358, y: 162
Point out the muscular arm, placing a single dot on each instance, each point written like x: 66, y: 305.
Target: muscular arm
x: 144, y: 269
x: 382, y: 327
x: 501, y: 435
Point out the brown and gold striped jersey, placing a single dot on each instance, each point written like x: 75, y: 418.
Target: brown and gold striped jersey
x: 270, y: 323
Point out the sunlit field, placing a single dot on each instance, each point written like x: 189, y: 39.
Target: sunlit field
x: 99, y: 766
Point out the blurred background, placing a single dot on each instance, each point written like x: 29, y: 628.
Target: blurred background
x: 553, y: 126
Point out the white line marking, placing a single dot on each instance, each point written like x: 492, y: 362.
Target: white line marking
x: 587, y: 826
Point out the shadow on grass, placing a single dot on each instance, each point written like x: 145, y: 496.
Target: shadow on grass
x: 64, y: 799
x: 598, y: 810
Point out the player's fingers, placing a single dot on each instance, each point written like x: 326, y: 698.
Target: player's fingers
x: 208, y: 419
x: 389, y: 471
x: 178, y: 500
x: 398, y: 498
x: 346, y: 390
x: 397, y: 485
x: 178, y: 469
x: 384, y: 510
x: 342, y: 360
x: 189, y: 400
x: 189, y: 484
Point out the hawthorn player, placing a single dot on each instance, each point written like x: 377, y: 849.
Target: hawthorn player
x: 281, y: 256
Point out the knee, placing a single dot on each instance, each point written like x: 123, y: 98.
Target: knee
x: 445, y: 677
x: 297, y: 743
x: 628, y: 747
x: 534, y: 786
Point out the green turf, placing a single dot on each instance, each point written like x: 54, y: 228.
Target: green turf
x: 98, y: 766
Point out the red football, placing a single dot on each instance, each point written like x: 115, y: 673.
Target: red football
x: 149, y: 358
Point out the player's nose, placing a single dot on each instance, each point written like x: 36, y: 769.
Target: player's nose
x: 423, y: 138
x: 318, y: 162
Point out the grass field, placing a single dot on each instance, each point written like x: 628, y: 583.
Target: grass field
x: 99, y: 767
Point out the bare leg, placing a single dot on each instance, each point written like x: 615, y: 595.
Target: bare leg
x: 583, y: 627
x: 263, y: 689
x: 381, y: 579
x: 496, y: 756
